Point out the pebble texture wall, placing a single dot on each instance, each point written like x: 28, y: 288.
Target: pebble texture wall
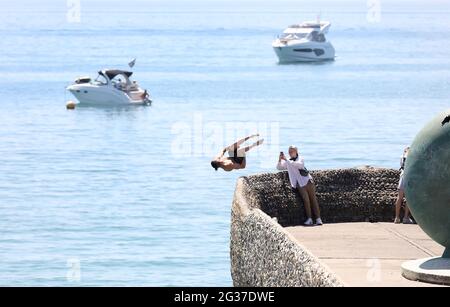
x: 362, y: 194
x: 264, y: 254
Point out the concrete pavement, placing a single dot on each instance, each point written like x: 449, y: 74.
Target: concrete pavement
x: 367, y: 254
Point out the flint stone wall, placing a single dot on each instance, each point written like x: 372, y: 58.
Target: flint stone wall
x: 363, y: 194
x: 264, y: 254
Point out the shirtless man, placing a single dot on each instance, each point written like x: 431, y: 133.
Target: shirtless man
x: 236, y: 155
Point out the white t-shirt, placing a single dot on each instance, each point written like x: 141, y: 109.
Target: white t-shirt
x: 402, y: 163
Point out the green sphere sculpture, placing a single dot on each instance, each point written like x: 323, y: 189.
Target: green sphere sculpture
x: 427, y: 180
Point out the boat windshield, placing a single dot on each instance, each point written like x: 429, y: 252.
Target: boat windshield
x: 101, y: 80
x: 317, y: 37
x: 293, y: 35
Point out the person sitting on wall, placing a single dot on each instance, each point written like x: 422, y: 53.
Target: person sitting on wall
x: 401, y: 193
x: 236, y: 155
x: 302, y: 180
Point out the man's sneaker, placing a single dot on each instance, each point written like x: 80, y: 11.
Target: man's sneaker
x: 319, y: 222
x: 397, y: 220
x: 407, y: 221
x: 309, y: 222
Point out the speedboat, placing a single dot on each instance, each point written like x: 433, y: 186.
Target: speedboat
x: 304, y: 42
x: 111, y: 87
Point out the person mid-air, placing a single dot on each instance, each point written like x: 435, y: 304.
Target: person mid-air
x: 236, y: 155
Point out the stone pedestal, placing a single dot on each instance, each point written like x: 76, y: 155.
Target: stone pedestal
x: 431, y: 270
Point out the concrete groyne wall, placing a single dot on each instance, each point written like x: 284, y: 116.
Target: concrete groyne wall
x: 264, y: 254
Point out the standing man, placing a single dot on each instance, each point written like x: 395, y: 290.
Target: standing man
x: 302, y: 180
x: 401, y: 193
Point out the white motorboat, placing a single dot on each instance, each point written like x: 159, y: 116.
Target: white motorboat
x: 111, y: 87
x: 304, y: 42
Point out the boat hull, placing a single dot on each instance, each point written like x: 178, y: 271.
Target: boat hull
x: 304, y: 52
x: 102, y: 95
